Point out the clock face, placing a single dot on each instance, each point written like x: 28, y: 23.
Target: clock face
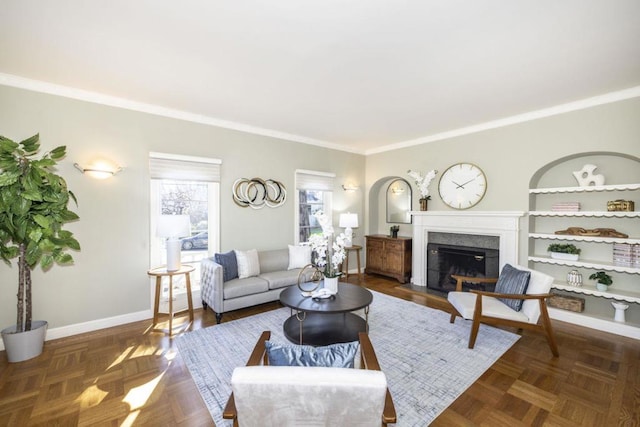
x: 462, y: 186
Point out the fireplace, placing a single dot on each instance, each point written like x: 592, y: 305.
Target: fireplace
x: 444, y: 260
x: 492, y: 231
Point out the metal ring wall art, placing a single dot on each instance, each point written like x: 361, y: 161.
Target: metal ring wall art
x: 258, y: 193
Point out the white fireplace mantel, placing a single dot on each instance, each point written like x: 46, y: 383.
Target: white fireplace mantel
x: 504, y: 224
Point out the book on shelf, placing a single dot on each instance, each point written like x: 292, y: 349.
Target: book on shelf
x: 566, y: 207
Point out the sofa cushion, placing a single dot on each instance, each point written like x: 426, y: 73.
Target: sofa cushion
x: 331, y: 356
x: 241, y: 287
x: 512, y: 281
x: 281, y: 279
x: 248, y: 263
x: 273, y: 260
x: 299, y: 256
x: 229, y: 265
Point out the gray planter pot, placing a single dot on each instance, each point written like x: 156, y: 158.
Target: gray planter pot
x: 24, y: 345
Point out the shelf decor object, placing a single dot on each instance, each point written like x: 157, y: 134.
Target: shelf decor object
x: 564, y: 251
x: 621, y: 205
x: 603, y: 280
x: 586, y: 177
x: 574, y: 278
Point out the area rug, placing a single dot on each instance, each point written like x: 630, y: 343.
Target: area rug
x: 425, y: 358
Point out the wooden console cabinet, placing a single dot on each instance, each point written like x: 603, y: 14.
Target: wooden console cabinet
x: 389, y: 256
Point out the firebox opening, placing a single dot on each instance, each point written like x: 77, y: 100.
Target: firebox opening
x: 444, y: 260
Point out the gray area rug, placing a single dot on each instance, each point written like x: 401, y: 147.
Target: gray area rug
x: 425, y: 358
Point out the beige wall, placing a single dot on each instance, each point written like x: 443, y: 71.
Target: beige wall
x: 509, y: 156
x: 109, y: 276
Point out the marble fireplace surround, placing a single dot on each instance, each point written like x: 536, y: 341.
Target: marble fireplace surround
x: 503, y: 224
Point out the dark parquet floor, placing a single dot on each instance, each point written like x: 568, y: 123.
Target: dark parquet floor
x: 131, y: 375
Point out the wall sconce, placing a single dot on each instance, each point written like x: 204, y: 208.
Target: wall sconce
x: 99, y: 170
x: 397, y: 190
x: 350, y: 187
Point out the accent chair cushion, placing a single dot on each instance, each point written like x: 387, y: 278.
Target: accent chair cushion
x: 299, y: 256
x: 512, y: 281
x: 331, y: 356
x: 248, y: 263
x: 229, y: 265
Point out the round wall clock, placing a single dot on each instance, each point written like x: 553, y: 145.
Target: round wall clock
x: 462, y: 185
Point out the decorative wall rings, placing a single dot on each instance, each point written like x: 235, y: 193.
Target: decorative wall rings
x: 258, y: 193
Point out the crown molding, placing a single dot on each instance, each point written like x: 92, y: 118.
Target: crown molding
x: 608, y: 98
x: 112, y: 101
x: 127, y: 104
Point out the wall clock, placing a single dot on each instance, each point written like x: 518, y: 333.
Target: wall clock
x: 462, y: 185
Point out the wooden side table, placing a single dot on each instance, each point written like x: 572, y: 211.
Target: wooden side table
x: 161, y: 272
x: 349, y: 249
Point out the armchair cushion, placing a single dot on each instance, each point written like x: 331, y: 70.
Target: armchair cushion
x: 512, y: 281
x: 465, y: 303
x: 331, y: 356
x: 229, y: 264
x: 248, y: 263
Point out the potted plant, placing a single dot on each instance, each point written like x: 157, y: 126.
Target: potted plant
x: 603, y: 280
x: 33, y: 209
x: 564, y: 251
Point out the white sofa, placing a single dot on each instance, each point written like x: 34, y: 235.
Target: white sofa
x: 239, y: 293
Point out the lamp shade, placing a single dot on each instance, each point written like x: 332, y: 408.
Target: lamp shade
x: 349, y: 220
x: 173, y: 226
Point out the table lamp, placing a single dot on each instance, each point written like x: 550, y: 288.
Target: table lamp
x: 172, y: 227
x: 348, y: 221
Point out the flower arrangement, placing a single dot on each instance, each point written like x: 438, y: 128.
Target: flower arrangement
x: 329, y: 252
x: 423, y: 182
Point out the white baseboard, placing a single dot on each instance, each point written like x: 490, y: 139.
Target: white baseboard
x: 606, y: 325
x: 94, y: 325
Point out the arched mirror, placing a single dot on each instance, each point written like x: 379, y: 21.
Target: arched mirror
x: 399, y: 202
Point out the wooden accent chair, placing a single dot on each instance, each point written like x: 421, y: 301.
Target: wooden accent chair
x: 492, y: 311
x: 293, y: 395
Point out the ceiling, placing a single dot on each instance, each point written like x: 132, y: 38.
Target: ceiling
x: 359, y: 75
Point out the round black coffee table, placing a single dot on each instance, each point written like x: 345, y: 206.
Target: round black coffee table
x: 315, y: 321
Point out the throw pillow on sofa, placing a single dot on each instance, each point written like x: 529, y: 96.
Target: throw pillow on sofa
x: 229, y: 264
x: 248, y: 263
x: 299, y: 256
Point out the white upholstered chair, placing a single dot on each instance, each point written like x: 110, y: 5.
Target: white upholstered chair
x: 489, y: 309
x: 309, y: 396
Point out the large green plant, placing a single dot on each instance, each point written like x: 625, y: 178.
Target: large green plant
x: 33, y: 209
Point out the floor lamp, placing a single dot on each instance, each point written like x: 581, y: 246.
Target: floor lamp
x: 173, y: 227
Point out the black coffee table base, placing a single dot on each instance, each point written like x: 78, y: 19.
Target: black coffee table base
x: 323, y: 328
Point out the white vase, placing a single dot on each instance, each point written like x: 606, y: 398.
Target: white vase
x: 601, y: 286
x: 331, y: 283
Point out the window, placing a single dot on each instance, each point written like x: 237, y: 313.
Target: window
x: 182, y: 185
x: 314, y: 193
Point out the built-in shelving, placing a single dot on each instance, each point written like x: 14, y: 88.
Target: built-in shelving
x: 624, y: 294
x: 591, y: 214
x: 595, y: 188
x: 587, y: 289
x: 576, y: 238
x: 593, y: 264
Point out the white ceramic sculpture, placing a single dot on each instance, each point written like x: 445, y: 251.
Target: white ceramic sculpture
x: 586, y: 178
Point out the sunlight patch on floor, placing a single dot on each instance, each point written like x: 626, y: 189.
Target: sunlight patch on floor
x: 91, y: 396
x: 138, y: 396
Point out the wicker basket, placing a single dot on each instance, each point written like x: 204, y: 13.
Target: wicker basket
x: 565, y: 302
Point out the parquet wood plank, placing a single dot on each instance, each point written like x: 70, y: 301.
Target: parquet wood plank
x: 131, y: 375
